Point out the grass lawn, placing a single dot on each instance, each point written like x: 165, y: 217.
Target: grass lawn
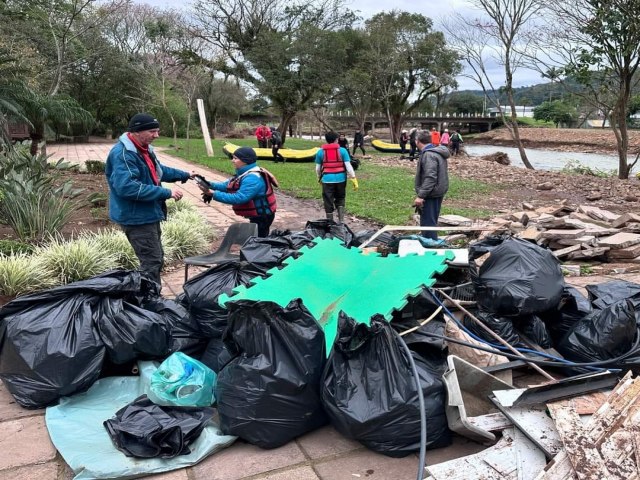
x: 385, y: 195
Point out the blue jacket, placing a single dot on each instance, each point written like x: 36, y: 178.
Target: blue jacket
x: 252, y: 187
x: 133, y: 198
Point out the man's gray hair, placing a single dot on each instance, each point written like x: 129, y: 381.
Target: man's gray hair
x: 423, y: 137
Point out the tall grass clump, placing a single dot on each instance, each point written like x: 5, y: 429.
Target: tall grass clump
x: 181, y: 206
x: 114, y: 243
x: 21, y: 273
x: 182, y: 239
x: 198, y: 224
x: 76, y: 260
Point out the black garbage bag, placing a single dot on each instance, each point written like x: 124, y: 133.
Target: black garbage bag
x: 216, y: 354
x: 143, y: 429
x: 269, y: 393
x: 130, y: 332
x: 385, y: 239
x: 266, y: 252
x: 325, y: 228
x: 501, y: 325
x: 602, y: 335
x: 49, y: 344
x: 534, y: 329
x: 296, y: 239
x: 418, y: 309
x: 370, y: 394
x: 185, y: 333
x: 572, y: 308
x: 518, y: 278
x: 201, y: 293
x: 604, y: 294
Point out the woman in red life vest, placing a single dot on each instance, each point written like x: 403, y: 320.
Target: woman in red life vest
x: 333, y: 164
x: 249, y: 191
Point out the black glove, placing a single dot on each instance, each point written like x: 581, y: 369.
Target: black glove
x: 206, y: 197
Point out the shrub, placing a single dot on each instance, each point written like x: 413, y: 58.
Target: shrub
x: 100, y: 213
x: 77, y: 259
x: 574, y: 167
x: 181, y: 239
x: 193, y: 218
x: 32, y: 204
x: 98, y: 199
x: 95, y: 167
x: 20, y: 274
x: 173, y: 207
x: 13, y: 247
x: 114, y: 242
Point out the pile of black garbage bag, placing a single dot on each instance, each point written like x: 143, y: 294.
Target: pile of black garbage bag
x: 522, y: 296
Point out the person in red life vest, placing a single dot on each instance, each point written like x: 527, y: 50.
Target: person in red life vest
x: 435, y: 137
x: 263, y: 134
x: 333, y: 164
x: 250, y: 191
x: 136, y: 196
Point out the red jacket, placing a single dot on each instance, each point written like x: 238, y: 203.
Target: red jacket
x: 263, y: 133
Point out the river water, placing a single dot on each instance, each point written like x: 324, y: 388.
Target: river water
x: 549, y: 159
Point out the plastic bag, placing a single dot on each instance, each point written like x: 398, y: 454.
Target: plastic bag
x: 518, y: 277
x: 202, y: 291
x: 266, y: 252
x: 503, y: 326
x: 268, y: 394
x: 370, y: 394
x: 604, y: 294
x: 182, y: 381
x: 385, y: 239
x: 325, y: 228
x: 603, y: 335
x: 572, y: 308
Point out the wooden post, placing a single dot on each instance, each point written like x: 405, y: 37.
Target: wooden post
x: 203, y: 126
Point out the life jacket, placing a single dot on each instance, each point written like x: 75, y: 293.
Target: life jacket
x: 332, y: 162
x: 256, y: 206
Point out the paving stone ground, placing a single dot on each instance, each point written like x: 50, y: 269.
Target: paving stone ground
x: 26, y: 452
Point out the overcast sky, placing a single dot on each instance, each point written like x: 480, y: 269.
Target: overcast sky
x: 434, y: 9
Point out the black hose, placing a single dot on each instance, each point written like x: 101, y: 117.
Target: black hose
x: 423, y: 414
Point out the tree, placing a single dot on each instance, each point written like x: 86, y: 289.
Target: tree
x: 225, y: 100
x: 500, y: 37
x: 464, y: 102
x: 285, y: 50
x: 409, y: 62
x: 556, y: 111
x: 597, y: 42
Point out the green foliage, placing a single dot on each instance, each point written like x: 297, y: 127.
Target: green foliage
x: 556, y: 111
x: 98, y: 199
x: 464, y: 102
x: 180, y: 239
x: 95, y: 167
x: 115, y: 244
x: 194, y: 218
x: 32, y: 204
x: 14, y: 247
x: 20, y: 274
x: 76, y: 260
x: 574, y: 167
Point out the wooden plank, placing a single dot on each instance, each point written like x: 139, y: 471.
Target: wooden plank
x: 490, y: 422
x: 559, y: 468
x: 583, y: 454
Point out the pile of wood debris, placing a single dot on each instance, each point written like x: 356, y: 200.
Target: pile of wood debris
x: 577, y: 233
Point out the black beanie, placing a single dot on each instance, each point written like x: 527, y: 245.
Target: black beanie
x: 246, y: 154
x: 142, y: 121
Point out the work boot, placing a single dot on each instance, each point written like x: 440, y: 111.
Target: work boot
x: 340, y: 215
x: 330, y: 216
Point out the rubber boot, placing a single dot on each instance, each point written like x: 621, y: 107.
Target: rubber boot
x: 340, y: 215
x: 330, y: 216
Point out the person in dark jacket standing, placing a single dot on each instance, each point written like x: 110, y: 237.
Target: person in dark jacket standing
x: 431, y: 182
x: 404, y: 138
x: 358, y: 142
x: 136, y: 196
x: 412, y: 143
x: 250, y: 191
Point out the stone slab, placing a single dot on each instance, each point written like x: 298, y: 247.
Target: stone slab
x: 566, y: 251
x: 598, y: 213
x: 174, y: 475
x: 370, y: 465
x: 587, y: 219
x: 25, y: 441
x: 584, y: 240
x: 556, y: 233
x: 325, y: 442
x: 46, y: 471
x: 9, y: 408
x: 620, y: 240
x: 588, y: 253
x: 531, y: 233
x: 301, y: 473
x: 243, y: 460
x: 624, y: 219
x: 623, y: 253
x: 455, y: 220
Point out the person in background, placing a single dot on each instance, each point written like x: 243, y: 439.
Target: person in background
x: 343, y: 142
x: 412, y: 143
x: 263, y: 134
x: 276, y: 144
x: 250, y: 191
x: 456, y: 141
x: 431, y: 182
x: 445, y: 138
x: 333, y: 164
x: 435, y: 136
x: 358, y: 142
x: 404, y: 138
x: 136, y: 195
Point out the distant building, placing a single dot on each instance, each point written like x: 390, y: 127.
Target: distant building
x: 521, y: 110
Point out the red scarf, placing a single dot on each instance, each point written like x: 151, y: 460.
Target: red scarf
x: 144, y: 151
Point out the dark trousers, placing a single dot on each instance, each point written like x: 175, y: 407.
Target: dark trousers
x: 455, y: 149
x: 360, y: 146
x: 414, y: 149
x: 147, y: 245
x: 333, y: 195
x: 403, y: 147
x: 277, y: 157
x: 429, y: 215
x: 264, y: 223
x: 262, y: 143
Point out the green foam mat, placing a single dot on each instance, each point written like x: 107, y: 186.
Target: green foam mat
x: 329, y: 277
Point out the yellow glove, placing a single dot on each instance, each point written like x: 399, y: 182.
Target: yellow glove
x: 355, y: 183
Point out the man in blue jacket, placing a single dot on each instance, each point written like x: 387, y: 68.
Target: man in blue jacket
x: 250, y: 192
x: 136, y: 196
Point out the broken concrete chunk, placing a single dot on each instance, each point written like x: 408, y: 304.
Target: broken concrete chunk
x: 556, y: 234
x: 624, y: 253
x: 620, y: 240
x: 566, y: 251
x: 598, y: 213
x: 588, y: 253
x: 531, y: 233
x: 584, y: 240
x: 587, y: 219
x: 625, y: 219
x: 455, y: 220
